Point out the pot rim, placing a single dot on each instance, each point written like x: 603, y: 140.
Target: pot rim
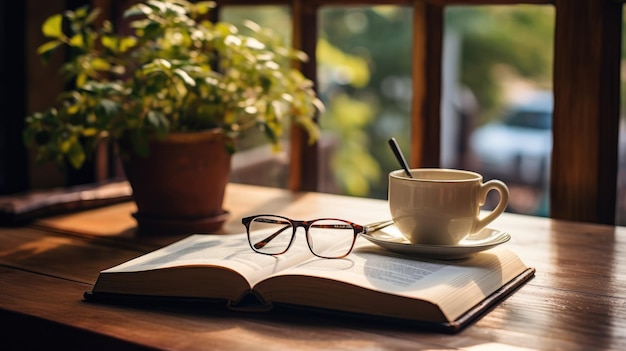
x: 185, y: 137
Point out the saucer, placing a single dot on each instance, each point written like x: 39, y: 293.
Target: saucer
x: 391, y: 239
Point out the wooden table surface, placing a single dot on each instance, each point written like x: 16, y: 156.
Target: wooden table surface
x: 577, y: 300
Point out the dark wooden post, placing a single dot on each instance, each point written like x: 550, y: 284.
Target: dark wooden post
x: 586, y: 110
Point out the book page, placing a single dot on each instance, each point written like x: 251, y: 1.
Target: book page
x: 453, y: 285
x: 230, y: 251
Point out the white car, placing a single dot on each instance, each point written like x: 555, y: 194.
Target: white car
x: 517, y: 148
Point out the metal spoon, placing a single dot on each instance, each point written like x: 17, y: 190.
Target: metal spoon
x: 398, y: 153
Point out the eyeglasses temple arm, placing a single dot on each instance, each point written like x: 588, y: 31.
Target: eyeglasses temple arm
x: 372, y: 227
x: 260, y: 244
x: 368, y: 228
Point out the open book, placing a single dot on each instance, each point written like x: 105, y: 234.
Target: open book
x: 370, y: 280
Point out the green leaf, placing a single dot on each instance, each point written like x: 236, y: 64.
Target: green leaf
x: 81, y: 79
x: 127, y: 43
x: 140, y: 24
x: 118, y: 69
x: 47, y: 49
x: 156, y: 118
x: 77, y: 41
x: 160, y: 122
x: 152, y: 29
x: 52, y: 27
x: 65, y: 145
x: 100, y: 64
x: 72, y: 109
x: 163, y: 63
x: 93, y: 15
x: 109, y: 107
x: 204, y: 7
x: 76, y: 154
x: 225, y: 29
x: 109, y: 42
x: 185, y: 77
x: 81, y: 12
x: 229, y: 144
x: 157, y: 6
x: 88, y: 132
x: 138, y: 10
x: 157, y: 65
x: 269, y: 133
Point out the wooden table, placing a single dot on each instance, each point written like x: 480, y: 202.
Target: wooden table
x: 577, y: 300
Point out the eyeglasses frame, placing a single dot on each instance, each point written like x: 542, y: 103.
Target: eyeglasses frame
x: 295, y: 224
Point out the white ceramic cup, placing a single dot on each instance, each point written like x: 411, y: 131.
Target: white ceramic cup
x: 441, y: 206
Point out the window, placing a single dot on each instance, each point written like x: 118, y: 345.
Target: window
x: 586, y: 92
x: 585, y: 82
x: 255, y: 162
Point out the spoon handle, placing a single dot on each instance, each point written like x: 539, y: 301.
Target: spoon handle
x: 396, y: 151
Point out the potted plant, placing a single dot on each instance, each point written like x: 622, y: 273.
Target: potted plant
x: 177, y: 87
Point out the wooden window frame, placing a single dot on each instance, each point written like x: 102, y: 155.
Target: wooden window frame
x: 586, y: 82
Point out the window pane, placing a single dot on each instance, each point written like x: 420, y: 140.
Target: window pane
x: 496, y: 73
x: 497, y: 97
x: 364, y: 74
x: 255, y: 162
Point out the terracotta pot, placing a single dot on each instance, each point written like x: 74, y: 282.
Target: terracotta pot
x: 180, y: 186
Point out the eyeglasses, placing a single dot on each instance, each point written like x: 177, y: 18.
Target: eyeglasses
x: 326, y: 237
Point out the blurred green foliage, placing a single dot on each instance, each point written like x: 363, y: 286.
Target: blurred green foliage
x: 518, y: 39
x: 175, y: 71
x: 364, y: 73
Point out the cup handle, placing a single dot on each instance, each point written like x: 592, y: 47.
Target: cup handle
x: 485, y: 188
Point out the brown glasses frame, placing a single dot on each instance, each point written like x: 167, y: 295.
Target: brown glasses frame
x: 291, y: 223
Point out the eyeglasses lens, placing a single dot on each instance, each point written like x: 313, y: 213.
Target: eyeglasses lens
x: 331, y: 238
x: 270, y: 234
